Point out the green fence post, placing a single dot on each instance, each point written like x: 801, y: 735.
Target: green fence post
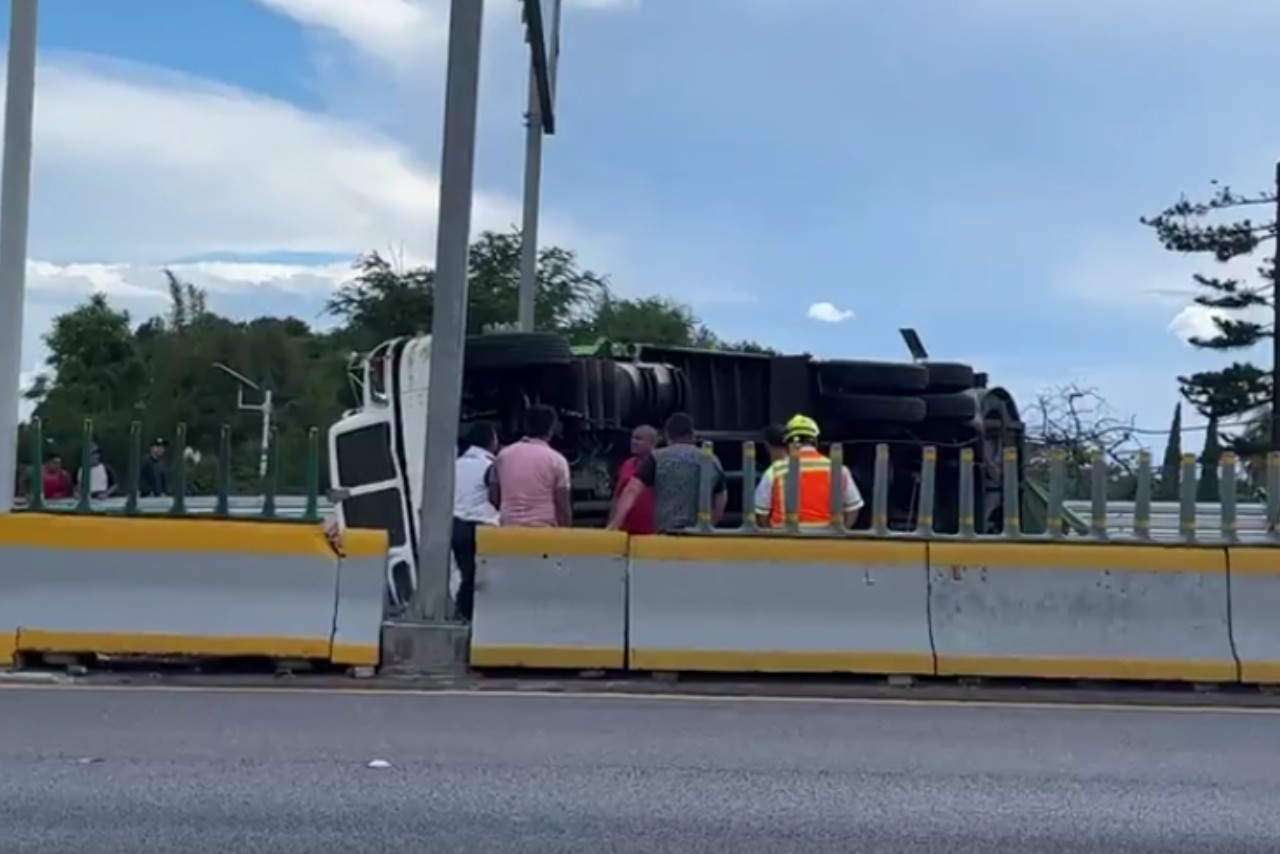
x: 271, y: 484
x: 312, y: 513
x: 224, y: 471
x: 86, y: 468
x: 37, y: 464
x: 135, y: 468
x: 178, y: 483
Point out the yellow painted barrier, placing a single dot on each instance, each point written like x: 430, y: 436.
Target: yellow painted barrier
x: 550, y: 598
x: 775, y: 605
x: 192, y: 587
x: 362, y: 586
x: 1255, y: 611
x: 1081, y: 611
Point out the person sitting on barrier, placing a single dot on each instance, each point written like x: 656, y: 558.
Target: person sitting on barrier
x: 814, y: 488
x: 640, y: 519
x: 675, y: 475
x: 472, y: 473
x: 531, y: 481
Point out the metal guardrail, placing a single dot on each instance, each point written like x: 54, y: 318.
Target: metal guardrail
x: 1166, y: 517
x: 1138, y: 521
x: 286, y: 506
x: 178, y: 501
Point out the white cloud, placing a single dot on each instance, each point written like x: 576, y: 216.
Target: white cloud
x: 405, y: 32
x: 145, y: 283
x: 149, y: 166
x: 400, y: 31
x: 829, y: 313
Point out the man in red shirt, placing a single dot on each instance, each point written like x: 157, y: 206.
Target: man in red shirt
x: 640, y: 519
x: 57, y: 480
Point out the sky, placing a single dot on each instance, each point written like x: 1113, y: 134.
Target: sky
x: 813, y: 174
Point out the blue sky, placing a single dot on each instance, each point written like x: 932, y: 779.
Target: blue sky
x: 974, y: 169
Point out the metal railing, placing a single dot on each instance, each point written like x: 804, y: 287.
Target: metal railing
x: 1138, y: 521
x: 176, y: 500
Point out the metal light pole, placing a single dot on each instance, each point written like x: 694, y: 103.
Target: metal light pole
x: 15, y: 203
x: 534, y: 134
x: 1275, y: 329
x: 267, y: 408
x: 449, y: 318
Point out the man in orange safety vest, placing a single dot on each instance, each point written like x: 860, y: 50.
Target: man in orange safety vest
x: 801, y: 433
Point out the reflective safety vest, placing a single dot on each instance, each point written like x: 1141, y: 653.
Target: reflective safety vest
x: 815, y: 490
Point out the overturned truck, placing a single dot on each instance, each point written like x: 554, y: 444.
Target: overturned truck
x: 604, y: 391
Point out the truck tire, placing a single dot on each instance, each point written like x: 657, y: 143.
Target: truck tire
x: 957, y: 406
x: 517, y: 349
x: 874, y: 376
x: 877, y: 407
x: 949, y: 376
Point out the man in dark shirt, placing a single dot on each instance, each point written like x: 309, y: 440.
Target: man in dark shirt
x: 674, y: 473
x: 153, y: 478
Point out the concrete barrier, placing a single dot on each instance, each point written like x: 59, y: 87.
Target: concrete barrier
x: 362, y: 595
x: 84, y: 584
x: 1255, y: 612
x: 774, y: 605
x: 1081, y: 611
x: 548, y: 598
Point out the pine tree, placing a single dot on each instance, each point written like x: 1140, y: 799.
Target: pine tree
x: 1242, y: 307
x: 1171, y: 469
x: 1210, y: 460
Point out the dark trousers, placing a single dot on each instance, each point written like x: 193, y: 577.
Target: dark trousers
x: 464, y: 553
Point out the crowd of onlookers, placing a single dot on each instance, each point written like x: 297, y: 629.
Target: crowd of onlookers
x: 658, y: 489
x: 61, y: 482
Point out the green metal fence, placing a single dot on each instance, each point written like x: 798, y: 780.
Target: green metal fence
x: 176, y: 464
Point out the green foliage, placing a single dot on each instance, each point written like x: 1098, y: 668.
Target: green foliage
x: 161, y: 373
x: 1241, y: 306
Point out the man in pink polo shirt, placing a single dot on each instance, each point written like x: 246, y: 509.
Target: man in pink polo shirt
x: 531, y: 487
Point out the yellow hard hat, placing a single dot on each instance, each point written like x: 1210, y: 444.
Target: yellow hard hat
x: 800, y: 427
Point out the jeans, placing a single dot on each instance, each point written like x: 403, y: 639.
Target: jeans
x: 464, y: 554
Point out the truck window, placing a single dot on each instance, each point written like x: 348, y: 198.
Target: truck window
x: 364, y: 456
x: 377, y: 511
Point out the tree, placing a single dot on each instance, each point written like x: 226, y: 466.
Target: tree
x: 382, y: 302
x: 1222, y: 229
x: 1171, y: 468
x: 93, y: 371
x: 1210, y: 459
x: 1078, y: 422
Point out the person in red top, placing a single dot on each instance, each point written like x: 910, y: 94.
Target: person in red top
x: 640, y: 519
x: 57, y: 480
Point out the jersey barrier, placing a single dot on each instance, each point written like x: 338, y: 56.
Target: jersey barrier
x: 548, y: 598
x: 1036, y: 610
x: 180, y: 588
x: 774, y: 605
x: 1086, y: 611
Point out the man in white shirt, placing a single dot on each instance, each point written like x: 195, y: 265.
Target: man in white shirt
x: 471, y: 507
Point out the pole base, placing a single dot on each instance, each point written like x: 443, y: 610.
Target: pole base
x: 425, y: 649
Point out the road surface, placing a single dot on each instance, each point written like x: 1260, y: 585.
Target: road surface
x: 134, y: 771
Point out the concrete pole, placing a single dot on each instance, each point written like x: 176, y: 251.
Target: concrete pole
x: 532, y: 203
x: 449, y: 312
x: 15, y: 203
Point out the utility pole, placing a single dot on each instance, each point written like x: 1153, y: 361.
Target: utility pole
x: 430, y: 603
x: 1275, y: 328
x: 535, y: 132
x: 15, y: 212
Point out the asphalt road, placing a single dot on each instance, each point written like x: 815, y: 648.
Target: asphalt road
x: 136, y: 771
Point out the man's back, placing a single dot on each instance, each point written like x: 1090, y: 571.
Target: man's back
x: 529, y: 474
x: 677, y: 485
